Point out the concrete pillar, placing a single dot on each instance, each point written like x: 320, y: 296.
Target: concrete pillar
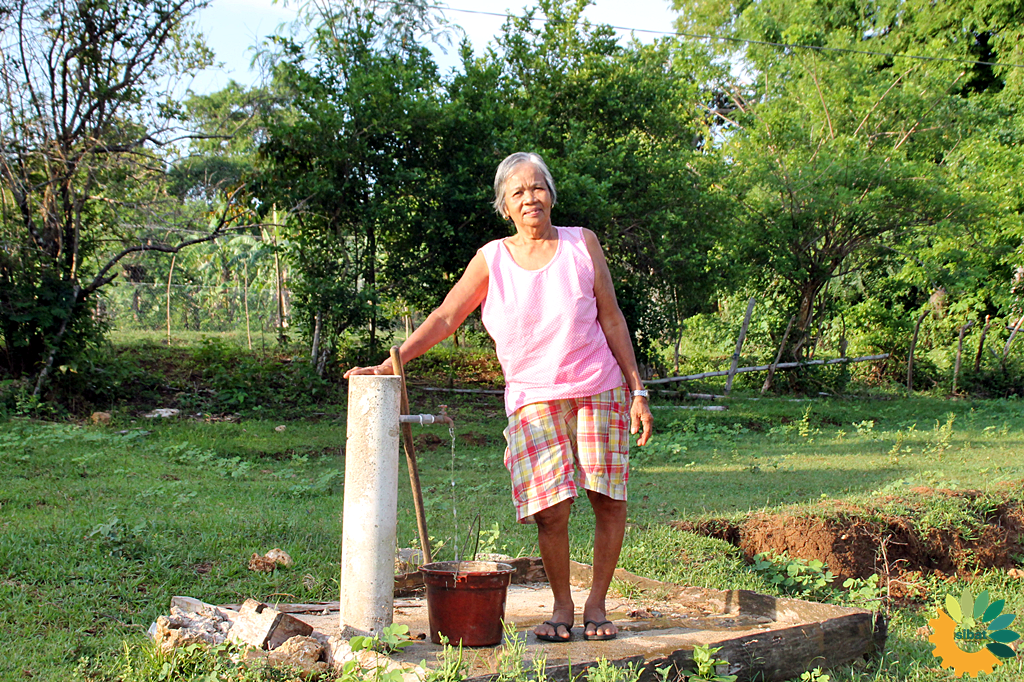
x: 370, y: 509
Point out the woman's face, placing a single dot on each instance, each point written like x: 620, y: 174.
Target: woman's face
x: 527, y: 199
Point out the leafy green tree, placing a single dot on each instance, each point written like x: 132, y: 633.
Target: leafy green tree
x: 82, y: 121
x: 346, y: 158
x: 878, y: 156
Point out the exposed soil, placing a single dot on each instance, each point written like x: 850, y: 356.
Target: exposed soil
x: 858, y: 541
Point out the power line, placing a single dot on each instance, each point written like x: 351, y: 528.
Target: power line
x: 747, y: 41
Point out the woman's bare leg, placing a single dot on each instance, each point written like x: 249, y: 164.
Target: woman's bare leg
x: 610, y: 528
x: 553, y: 538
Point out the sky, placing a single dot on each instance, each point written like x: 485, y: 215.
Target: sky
x: 232, y: 27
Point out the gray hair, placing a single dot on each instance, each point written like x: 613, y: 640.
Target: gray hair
x: 505, y: 169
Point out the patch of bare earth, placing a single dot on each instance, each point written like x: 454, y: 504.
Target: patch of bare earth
x: 858, y: 541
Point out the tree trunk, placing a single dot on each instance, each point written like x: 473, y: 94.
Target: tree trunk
x: 45, y: 371
x: 169, y: 276
x: 279, y: 284
x: 371, y: 281
x: 315, y: 353
x: 245, y: 302
x: 805, y: 315
x: 778, y: 356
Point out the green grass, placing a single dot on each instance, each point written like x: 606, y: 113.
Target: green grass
x: 98, y: 529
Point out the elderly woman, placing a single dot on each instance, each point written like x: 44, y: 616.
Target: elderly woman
x: 571, y: 379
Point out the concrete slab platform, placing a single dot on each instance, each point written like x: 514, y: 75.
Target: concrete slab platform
x: 762, y: 637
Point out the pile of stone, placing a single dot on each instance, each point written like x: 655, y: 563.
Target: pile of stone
x: 268, y: 635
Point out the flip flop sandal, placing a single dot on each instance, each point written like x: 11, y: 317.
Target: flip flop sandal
x: 597, y: 626
x: 555, y: 637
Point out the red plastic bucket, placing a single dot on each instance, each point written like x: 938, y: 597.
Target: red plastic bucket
x: 466, y: 600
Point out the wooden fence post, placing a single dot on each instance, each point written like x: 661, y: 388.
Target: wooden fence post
x: 981, y: 343
x: 778, y: 356
x: 910, y: 355
x: 959, y: 352
x: 739, y: 344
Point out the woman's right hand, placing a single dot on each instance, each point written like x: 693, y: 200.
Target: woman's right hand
x: 383, y: 368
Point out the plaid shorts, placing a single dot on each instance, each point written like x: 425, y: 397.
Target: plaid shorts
x: 549, y: 442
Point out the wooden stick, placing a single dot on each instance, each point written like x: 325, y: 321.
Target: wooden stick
x: 959, y: 352
x: 692, y: 377
x: 739, y: 345
x: 410, y: 458
x: 782, y: 346
x: 910, y: 355
x: 761, y: 368
x: 1006, y: 348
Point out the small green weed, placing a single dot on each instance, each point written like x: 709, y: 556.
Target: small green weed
x: 707, y: 665
x: 392, y: 638
x: 865, y: 427
x: 451, y: 663
x: 815, y: 675
x: 861, y: 591
x: 942, y: 438
x: 793, y: 575
x: 605, y: 671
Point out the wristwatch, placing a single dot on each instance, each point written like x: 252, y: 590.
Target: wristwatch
x: 641, y: 393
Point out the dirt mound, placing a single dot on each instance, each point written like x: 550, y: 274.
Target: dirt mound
x: 856, y: 542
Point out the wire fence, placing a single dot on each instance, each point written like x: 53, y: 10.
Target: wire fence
x: 131, y: 306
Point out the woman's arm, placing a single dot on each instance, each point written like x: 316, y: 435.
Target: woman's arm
x: 468, y: 293
x: 613, y: 324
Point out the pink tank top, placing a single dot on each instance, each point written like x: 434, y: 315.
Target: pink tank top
x: 544, y: 324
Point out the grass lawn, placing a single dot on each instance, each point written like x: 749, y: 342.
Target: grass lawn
x: 100, y: 526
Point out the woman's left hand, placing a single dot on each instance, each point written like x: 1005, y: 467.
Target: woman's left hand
x: 640, y: 417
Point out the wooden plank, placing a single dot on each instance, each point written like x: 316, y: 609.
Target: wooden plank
x: 784, y: 654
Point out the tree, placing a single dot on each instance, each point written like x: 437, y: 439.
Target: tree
x: 345, y: 157
x: 387, y: 174
x: 84, y: 127
x: 854, y: 154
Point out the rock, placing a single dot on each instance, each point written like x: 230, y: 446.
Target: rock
x: 302, y: 652
x: 100, y: 418
x: 269, y: 561
x: 261, y: 564
x: 279, y: 556
x: 190, y: 621
x: 264, y: 627
x: 162, y: 412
